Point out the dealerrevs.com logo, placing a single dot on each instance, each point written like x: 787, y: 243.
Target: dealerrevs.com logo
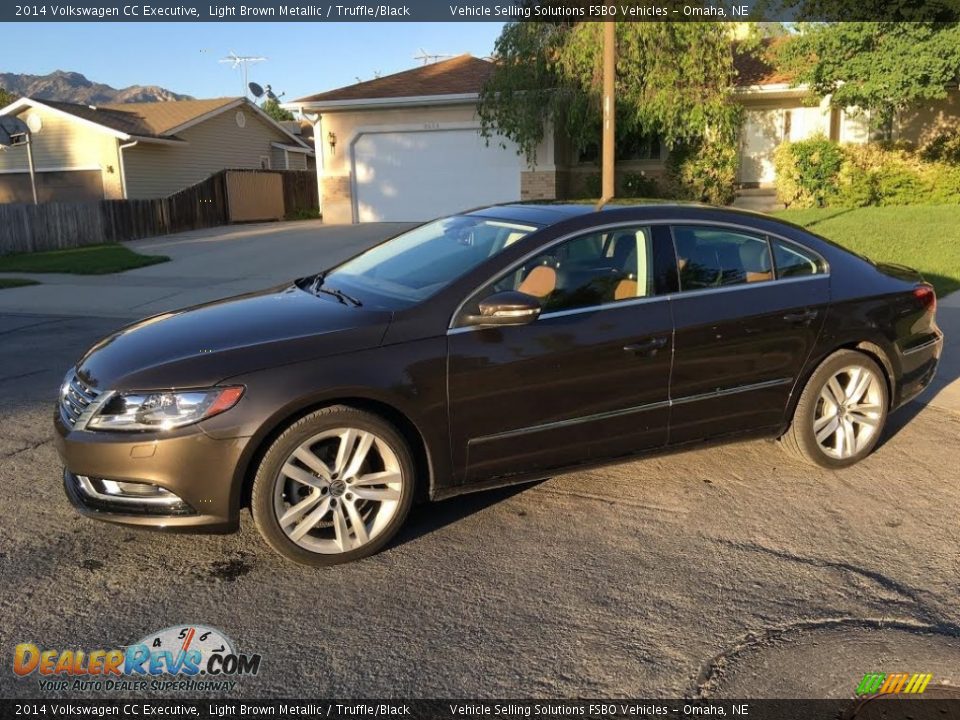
x: 179, y: 658
x: 894, y: 683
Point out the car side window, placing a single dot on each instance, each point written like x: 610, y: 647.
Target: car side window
x: 794, y: 261
x: 709, y: 257
x: 588, y: 270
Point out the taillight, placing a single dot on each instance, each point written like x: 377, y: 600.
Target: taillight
x: 927, y: 298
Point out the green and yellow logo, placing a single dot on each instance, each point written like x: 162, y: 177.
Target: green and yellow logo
x: 888, y: 683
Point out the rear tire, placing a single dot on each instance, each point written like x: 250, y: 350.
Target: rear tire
x: 334, y: 487
x: 841, y: 412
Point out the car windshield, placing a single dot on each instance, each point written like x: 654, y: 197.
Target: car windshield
x: 413, y: 266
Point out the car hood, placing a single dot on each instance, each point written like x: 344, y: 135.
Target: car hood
x: 202, y: 345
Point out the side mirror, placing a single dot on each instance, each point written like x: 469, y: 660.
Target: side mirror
x: 506, y: 308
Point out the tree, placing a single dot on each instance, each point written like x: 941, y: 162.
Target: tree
x: 882, y: 67
x: 6, y: 98
x: 674, y: 79
x: 272, y: 108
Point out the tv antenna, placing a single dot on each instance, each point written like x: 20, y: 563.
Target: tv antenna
x: 242, y: 62
x: 428, y: 58
x: 264, y: 92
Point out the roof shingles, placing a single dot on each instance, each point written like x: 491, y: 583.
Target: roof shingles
x: 466, y: 75
x: 154, y: 119
x: 462, y: 75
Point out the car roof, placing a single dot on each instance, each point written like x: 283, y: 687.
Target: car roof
x: 549, y: 213
x: 536, y: 213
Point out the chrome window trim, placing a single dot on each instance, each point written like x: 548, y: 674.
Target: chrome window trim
x: 753, y: 231
x: 660, y: 404
x: 451, y: 330
x: 679, y: 295
x: 539, y: 251
x: 641, y: 301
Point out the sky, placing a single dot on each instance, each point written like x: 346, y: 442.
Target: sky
x: 304, y: 58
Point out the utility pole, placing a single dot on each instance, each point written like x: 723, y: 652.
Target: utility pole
x: 609, y: 110
x: 33, y: 172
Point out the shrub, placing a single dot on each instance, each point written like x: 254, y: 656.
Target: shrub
x: 885, y: 174
x: 790, y: 190
x: 809, y: 168
x: 705, y: 171
x: 593, y: 185
x: 304, y: 214
x: 943, y: 145
x: 818, y: 172
x: 638, y: 185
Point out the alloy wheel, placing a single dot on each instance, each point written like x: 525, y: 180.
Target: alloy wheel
x: 849, y: 411
x: 338, y: 490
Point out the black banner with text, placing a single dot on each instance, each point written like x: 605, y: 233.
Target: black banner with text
x: 888, y: 707
x: 480, y: 11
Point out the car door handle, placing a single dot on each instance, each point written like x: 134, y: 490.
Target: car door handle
x: 801, y: 317
x: 646, y: 347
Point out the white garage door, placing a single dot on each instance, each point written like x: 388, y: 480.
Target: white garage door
x: 426, y: 174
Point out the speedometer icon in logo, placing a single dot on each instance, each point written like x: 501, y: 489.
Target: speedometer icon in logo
x: 207, y: 641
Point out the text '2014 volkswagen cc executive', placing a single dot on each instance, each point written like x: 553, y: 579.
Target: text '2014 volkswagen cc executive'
x: 497, y: 346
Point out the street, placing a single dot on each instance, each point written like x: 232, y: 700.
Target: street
x: 726, y: 571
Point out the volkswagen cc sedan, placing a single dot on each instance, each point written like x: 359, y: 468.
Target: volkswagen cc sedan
x: 498, y: 346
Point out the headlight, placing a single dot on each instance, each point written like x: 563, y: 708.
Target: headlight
x: 163, y: 410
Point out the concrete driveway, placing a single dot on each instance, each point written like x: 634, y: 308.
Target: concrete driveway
x: 204, y: 265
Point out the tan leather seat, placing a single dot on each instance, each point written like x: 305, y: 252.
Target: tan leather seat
x: 755, y: 257
x: 625, y: 289
x: 539, y: 282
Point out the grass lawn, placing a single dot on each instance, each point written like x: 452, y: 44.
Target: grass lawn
x: 925, y: 238
x: 16, y: 282
x: 89, y: 260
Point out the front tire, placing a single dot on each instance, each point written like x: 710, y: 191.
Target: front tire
x: 334, y: 487
x: 841, y: 412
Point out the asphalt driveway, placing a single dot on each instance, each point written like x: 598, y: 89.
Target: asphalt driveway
x: 729, y: 571
x: 726, y: 571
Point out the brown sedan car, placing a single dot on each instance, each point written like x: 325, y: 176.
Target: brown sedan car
x: 498, y: 346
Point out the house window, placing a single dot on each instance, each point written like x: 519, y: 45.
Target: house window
x: 639, y: 147
x: 264, y: 162
x: 635, y: 146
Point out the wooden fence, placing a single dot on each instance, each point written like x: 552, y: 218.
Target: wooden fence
x: 53, y: 226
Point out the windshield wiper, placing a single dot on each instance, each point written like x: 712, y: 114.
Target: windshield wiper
x: 341, y: 296
x: 314, y: 284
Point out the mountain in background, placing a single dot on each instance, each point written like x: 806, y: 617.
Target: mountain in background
x: 74, y: 87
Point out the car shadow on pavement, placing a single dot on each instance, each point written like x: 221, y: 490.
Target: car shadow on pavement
x: 898, y: 420
x: 430, y: 517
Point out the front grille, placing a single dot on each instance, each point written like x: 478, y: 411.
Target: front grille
x: 75, y: 397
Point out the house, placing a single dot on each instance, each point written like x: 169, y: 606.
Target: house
x: 141, y: 150
x: 777, y: 110
x: 406, y: 146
